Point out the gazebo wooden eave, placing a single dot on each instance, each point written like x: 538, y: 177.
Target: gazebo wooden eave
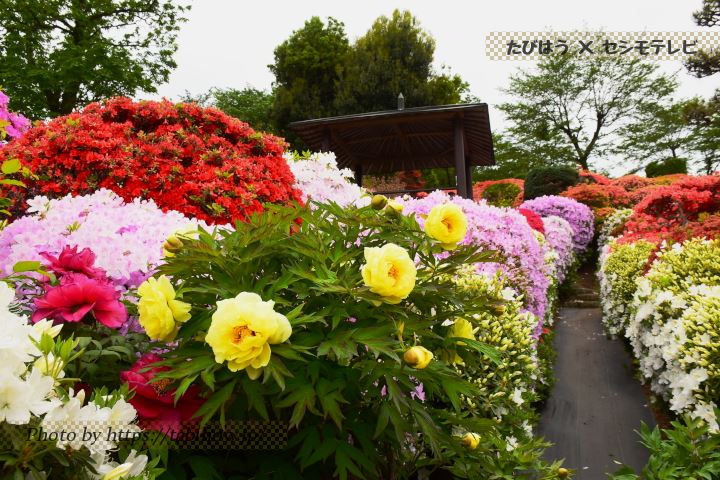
x: 415, y: 138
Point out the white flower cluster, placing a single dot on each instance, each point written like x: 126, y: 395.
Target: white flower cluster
x: 671, y: 316
x: 319, y: 178
x: 28, y: 396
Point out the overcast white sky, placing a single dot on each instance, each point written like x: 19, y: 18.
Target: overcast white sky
x: 229, y: 43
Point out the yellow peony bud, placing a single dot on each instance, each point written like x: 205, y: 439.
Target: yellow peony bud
x: 390, y: 272
x: 172, y: 245
x: 378, y: 202
x: 563, y: 472
x: 394, y: 207
x: 471, y: 440
x: 447, y: 224
x: 418, y: 357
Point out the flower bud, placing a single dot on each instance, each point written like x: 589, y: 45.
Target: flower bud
x: 562, y: 472
x: 471, y: 440
x: 418, y: 357
x: 378, y: 202
x: 393, y: 207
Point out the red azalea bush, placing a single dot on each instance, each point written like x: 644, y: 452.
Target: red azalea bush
x: 196, y: 160
x: 588, y: 177
x: 670, y: 179
x: 596, y: 195
x: 534, y: 220
x: 631, y: 183
x: 480, y: 187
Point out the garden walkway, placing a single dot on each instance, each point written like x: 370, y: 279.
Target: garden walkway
x: 596, y: 405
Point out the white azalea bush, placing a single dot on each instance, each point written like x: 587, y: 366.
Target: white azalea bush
x: 49, y: 431
x: 675, y: 327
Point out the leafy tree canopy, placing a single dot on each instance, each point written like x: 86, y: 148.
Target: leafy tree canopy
x: 58, y: 55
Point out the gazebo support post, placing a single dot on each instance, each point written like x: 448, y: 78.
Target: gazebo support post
x: 460, y: 168
x: 468, y: 176
x: 358, y: 175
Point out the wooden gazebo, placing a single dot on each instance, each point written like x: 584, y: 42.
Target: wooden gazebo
x: 406, y: 139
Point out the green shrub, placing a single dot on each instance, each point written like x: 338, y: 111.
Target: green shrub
x: 549, y: 181
x: 668, y: 166
x: 502, y: 194
x: 686, y: 451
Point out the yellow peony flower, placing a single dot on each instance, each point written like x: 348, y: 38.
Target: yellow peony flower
x: 447, y: 224
x: 242, y: 330
x: 160, y: 312
x: 471, y: 440
x: 389, y: 271
x: 418, y: 357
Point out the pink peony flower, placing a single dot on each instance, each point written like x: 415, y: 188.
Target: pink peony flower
x: 77, y: 296
x: 72, y: 261
x: 154, y: 400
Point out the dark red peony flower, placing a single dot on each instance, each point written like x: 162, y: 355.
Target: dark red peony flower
x: 533, y: 219
x: 78, y: 295
x: 154, y: 401
x: 72, y: 261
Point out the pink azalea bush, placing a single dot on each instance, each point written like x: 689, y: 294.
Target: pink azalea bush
x: 559, y: 235
x: 506, y: 231
x: 125, y: 238
x: 579, y: 216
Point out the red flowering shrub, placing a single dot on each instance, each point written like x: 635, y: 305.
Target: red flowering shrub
x: 196, y: 160
x: 480, y: 187
x: 586, y: 176
x: 595, y: 195
x: 631, y: 183
x: 670, y: 179
x: 534, y: 220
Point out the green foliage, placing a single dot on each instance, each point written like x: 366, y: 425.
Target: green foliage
x: 339, y: 381
x: 395, y: 56
x: 513, y: 159
x: 666, y: 167
x: 568, y: 108
x: 659, y: 130
x: 10, y: 170
x: 319, y: 74
x: 307, y: 69
x: 501, y: 194
x: 549, y: 181
x: 685, y: 451
x: 706, y: 62
x: 58, y: 55
x: 703, y: 117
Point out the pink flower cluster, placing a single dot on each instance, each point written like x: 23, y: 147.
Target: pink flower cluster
x: 318, y: 178
x: 559, y: 235
x: 12, y: 124
x: 579, y: 216
x: 126, y: 238
x: 82, y: 289
x: 503, y: 230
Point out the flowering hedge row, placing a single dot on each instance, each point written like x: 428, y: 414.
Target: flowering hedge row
x: 195, y: 160
x: 660, y: 281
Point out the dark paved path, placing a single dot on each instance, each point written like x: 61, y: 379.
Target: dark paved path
x: 596, y: 404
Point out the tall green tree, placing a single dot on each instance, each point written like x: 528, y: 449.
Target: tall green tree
x: 573, y: 105
x: 657, y: 131
x: 307, y: 68
x: 58, y: 55
x: 706, y: 62
x: 395, y: 56
x: 703, y: 117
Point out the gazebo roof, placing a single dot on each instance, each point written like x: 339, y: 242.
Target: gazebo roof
x: 409, y: 139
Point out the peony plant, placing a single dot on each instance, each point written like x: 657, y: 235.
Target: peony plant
x: 336, y: 321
